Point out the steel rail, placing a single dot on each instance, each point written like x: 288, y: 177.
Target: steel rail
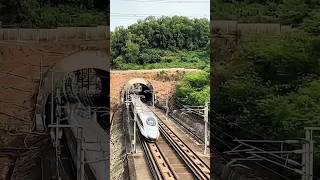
x: 158, y: 164
x: 196, y: 165
x: 184, y: 126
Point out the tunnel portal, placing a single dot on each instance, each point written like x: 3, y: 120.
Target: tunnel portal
x: 138, y: 86
x: 86, y: 86
x: 82, y: 77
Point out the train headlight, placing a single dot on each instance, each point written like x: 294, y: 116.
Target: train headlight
x: 151, y: 122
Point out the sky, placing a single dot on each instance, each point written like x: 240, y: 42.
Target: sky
x: 127, y: 12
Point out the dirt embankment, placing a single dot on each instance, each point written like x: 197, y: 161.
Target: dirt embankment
x: 162, y: 80
x: 19, y: 78
x: 20, y: 67
x: 20, y: 64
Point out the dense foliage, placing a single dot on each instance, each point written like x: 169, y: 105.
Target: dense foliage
x: 166, y: 59
x: 299, y: 13
x: 163, y: 42
x: 271, y: 90
x: 272, y: 87
x: 194, y: 89
x: 53, y: 13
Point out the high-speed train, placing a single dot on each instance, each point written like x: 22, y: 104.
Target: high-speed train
x: 147, y: 121
x: 87, y: 138
x: 89, y: 112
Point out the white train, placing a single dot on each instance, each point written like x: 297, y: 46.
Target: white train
x: 95, y: 143
x: 84, y: 108
x: 146, y: 120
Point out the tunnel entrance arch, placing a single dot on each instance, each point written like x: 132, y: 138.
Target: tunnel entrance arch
x: 146, y: 90
x: 56, y: 75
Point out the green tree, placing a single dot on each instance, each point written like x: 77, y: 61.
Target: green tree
x: 271, y: 87
x: 131, y: 51
x: 281, y: 60
x: 289, y: 114
x: 293, y: 11
x: 151, y: 37
x: 312, y: 23
x: 28, y: 13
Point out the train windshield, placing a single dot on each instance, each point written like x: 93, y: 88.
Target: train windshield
x: 151, y: 121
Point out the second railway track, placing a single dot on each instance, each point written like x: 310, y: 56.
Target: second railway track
x: 171, y: 158
x: 194, y: 162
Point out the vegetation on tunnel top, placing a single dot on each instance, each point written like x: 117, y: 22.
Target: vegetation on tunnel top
x: 53, y: 13
x: 165, y: 42
x: 194, y: 89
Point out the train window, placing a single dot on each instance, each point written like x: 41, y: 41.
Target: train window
x: 151, y: 122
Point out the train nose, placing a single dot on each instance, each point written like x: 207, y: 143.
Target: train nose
x: 153, y: 135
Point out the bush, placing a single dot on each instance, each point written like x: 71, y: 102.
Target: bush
x: 33, y: 15
x: 312, y: 23
x: 272, y: 87
x: 156, y: 58
x: 281, y: 60
x: 150, y: 56
x: 194, y: 88
x: 289, y: 114
x: 292, y: 12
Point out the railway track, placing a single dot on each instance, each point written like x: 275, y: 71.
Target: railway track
x: 194, y: 162
x: 186, y: 128
x: 183, y: 162
x: 159, y: 165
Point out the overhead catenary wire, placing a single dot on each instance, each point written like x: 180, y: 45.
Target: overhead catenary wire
x: 218, y: 123
x: 222, y: 141
x: 227, y: 144
x: 151, y: 14
x: 263, y: 166
x: 169, y: 1
x: 252, y: 131
x: 134, y: 15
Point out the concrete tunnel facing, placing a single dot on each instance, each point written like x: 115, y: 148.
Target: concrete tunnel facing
x: 146, y: 90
